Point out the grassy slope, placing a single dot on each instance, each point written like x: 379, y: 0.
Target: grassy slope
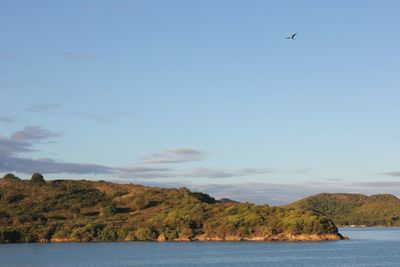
x: 72, y: 210
x: 354, y: 209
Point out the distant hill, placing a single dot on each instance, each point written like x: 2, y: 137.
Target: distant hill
x: 77, y: 210
x: 227, y: 200
x: 354, y: 209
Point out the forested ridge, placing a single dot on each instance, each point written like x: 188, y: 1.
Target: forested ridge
x: 36, y: 210
x: 354, y: 209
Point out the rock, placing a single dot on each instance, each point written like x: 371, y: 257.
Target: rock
x: 162, y: 238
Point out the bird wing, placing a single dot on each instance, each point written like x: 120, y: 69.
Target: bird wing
x: 294, y: 35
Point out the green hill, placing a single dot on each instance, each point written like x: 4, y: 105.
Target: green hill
x: 71, y: 210
x: 354, y: 209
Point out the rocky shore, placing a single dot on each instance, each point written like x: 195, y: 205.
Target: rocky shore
x: 278, y: 237
x: 202, y: 238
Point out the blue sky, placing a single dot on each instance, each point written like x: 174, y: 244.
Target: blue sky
x: 205, y: 94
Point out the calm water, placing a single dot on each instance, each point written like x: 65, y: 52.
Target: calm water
x: 367, y: 247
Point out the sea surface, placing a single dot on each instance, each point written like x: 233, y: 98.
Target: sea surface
x: 366, y: 247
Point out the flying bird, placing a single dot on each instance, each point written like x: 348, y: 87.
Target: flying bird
x: 292, y: 36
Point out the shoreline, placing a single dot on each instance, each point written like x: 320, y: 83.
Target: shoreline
x: 277, y: 238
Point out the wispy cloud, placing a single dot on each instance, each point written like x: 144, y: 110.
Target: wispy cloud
x: 208, y: 173
x: 77, y: 56
x: 55, y: 109
x: 33, y: 133
x: 174, y: 155
x: 140, y: 172
x: 24, y: 140
x: 9, y: 119
x: 184, y: 154
x: 9, y: 147
x: 94, y: 116
x: 219, y: 173
x: 44, y: 108
x: 26, y: 165
x: 377, y: 184
x: 395, y: 173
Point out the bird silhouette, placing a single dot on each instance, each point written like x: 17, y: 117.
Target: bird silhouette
x: 292, y: 36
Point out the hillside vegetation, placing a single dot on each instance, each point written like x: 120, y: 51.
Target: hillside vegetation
x: 70, y: 210
x: 354, y: 209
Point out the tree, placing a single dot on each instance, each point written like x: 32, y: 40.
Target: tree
x: 84, y: 233
x: 108, y: 234
x: 11, y: 235
x: 110, y: 209
x: 37, y: 178
x: 140, y: 202
x: 145, y: 234
x: 11, y: 176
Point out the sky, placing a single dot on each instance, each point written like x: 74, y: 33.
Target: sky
x: 204, y: 94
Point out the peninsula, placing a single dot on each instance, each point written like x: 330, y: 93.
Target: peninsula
x: 36, y: 210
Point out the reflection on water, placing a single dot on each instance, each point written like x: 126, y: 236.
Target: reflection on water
x: 367, y: 247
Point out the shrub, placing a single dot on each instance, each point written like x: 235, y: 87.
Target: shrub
x: 9, y: 234
x: 144, y: 234
x: 10, y: 176
x: 108, y: 234
x: 85, y: 234
x: 37, y: 178
x: 171, y: 234
x: 110, y: 209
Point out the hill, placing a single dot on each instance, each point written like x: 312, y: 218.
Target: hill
x: 354, y: 209
x: 227, y: 200
x: 78, y: 210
